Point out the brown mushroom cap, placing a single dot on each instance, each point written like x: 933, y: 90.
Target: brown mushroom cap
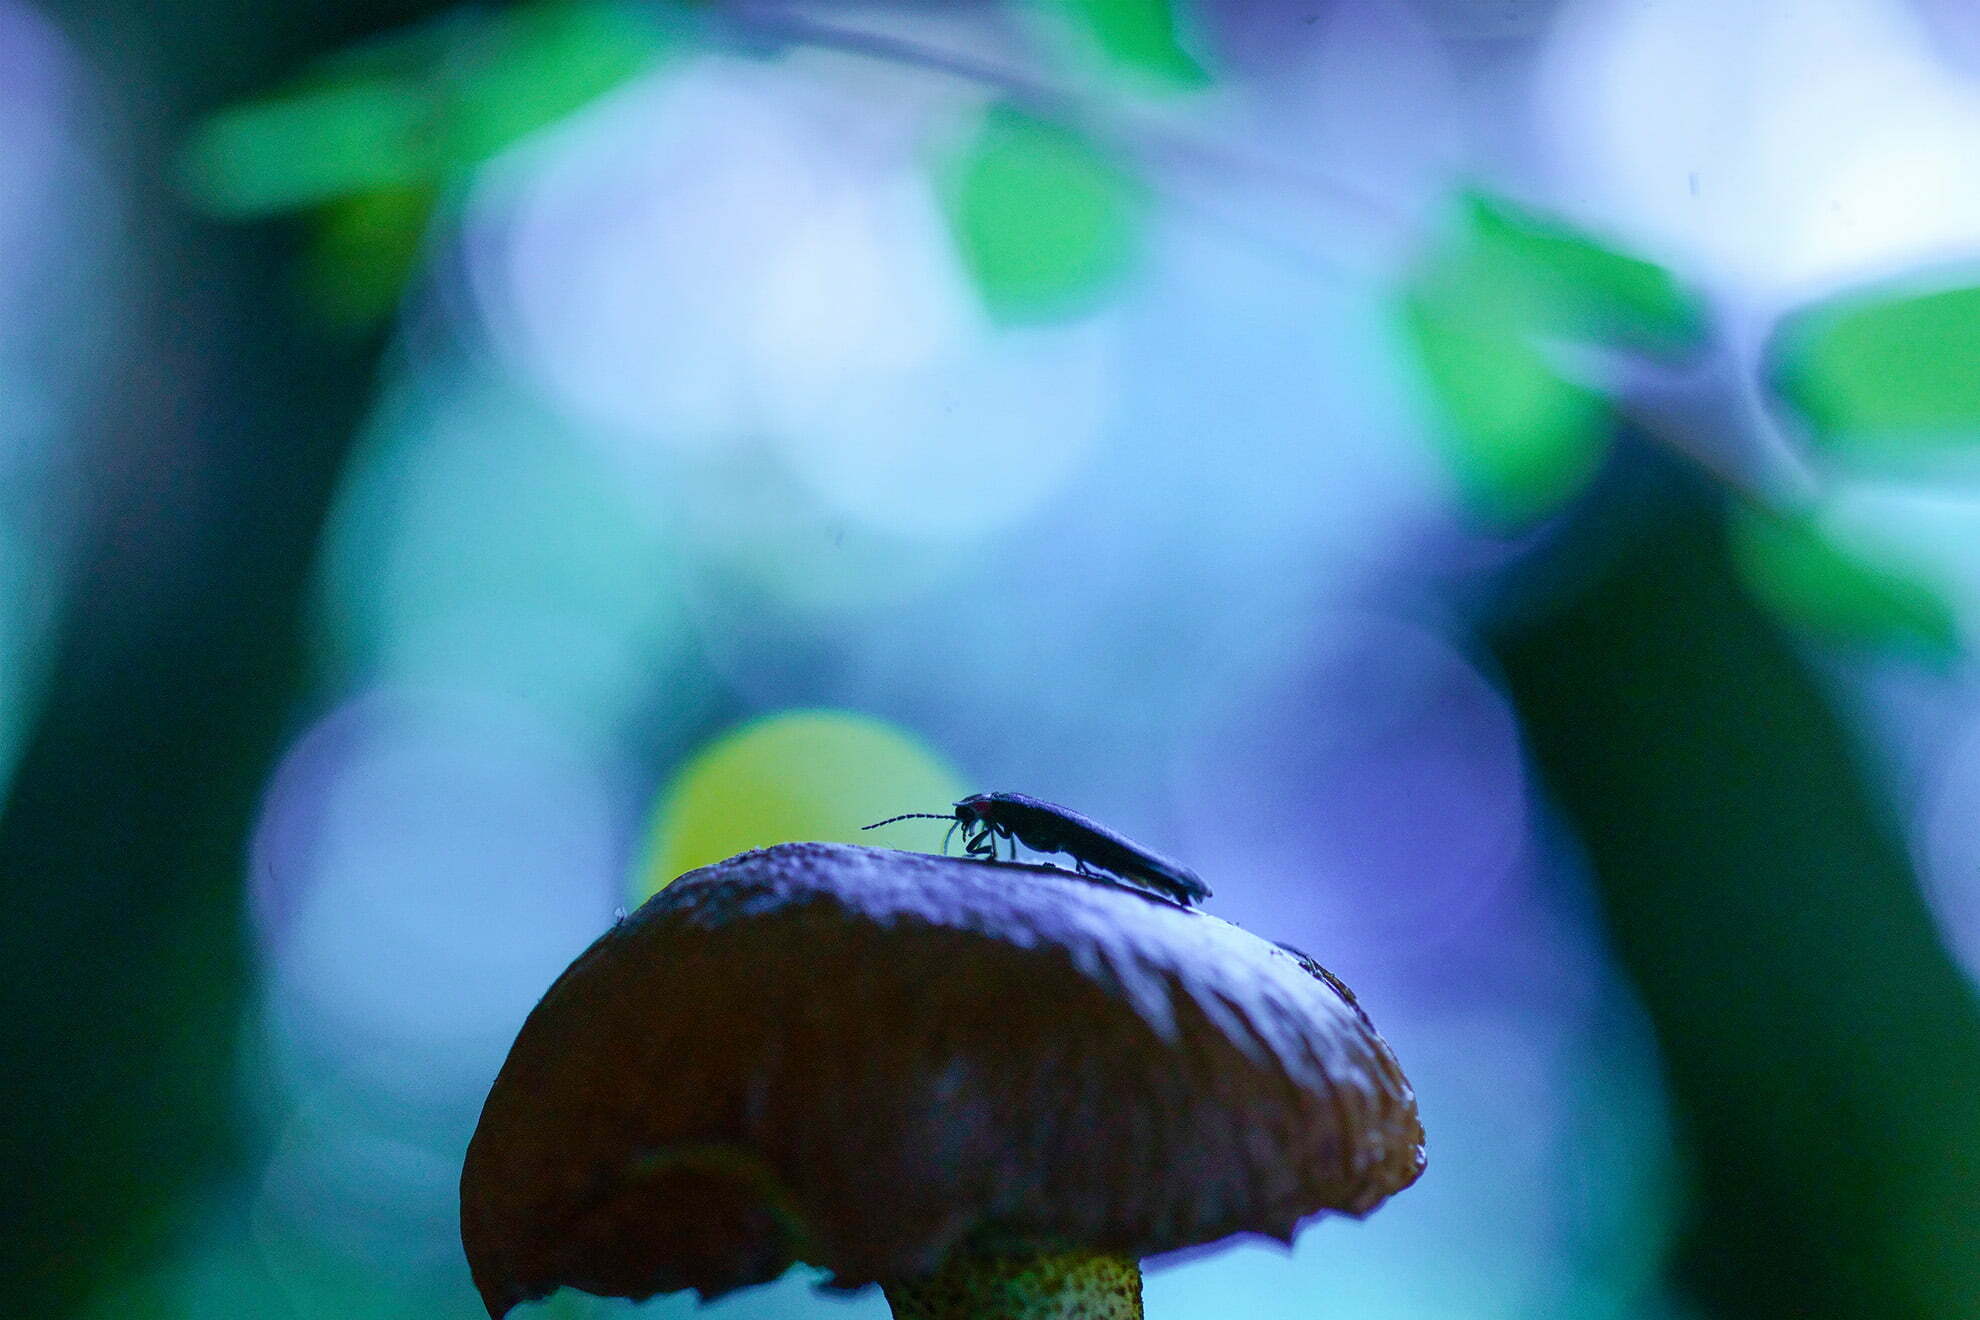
x: 865, y: 1060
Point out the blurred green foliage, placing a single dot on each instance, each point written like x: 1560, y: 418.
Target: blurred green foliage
x: 1521, y: 440
x: 1815, y: 582
x: 421, y: 105
x: 1046, y: 222
x: 309, y: 146
x: 1879, y: 381
x: 1555, y: 280
x: 1481, y: 310
x: 364, y: 250
x: 1135, y: 36
x: 542, y: 61
x: 1883, y: 379
x: 373, y: 137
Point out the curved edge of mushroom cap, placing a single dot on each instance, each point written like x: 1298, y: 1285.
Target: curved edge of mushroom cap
x: 865, y: 1060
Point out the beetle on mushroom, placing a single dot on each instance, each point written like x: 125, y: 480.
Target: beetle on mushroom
x: 1047, y: 827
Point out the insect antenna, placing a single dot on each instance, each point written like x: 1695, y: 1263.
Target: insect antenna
x: 911, y: 815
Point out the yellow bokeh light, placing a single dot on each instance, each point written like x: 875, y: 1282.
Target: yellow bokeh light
x: 805, y: 774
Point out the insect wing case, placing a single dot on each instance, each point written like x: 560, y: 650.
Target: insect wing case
x: 1048, y: 827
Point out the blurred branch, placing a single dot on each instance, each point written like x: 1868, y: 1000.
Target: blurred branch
x: 770, y: 29
x: 1135, y: 130
x: 1822, y: 1049
x: 217, y: 436
x: 1710, y: 414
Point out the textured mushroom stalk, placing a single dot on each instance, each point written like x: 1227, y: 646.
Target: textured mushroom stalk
x: 1076, y: 1286
x: 890, y: 1065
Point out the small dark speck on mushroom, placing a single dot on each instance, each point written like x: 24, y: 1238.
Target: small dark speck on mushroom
x: 991, y: 1090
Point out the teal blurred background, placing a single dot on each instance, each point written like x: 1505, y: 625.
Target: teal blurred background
x: 1495, y: 487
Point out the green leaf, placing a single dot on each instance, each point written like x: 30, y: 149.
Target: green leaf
x: 542, y: 61
x: 1138, y: 36
x: 1887, y: 380
x: 1045, y: 223
x: 309, y: 146
x: 373, y: 136
x: 1565, y: 284
x: 1520, y: 439
x: 363, y: 252
x: 1481, y: 310
x: 417, y: 107
x: 1817, y: 584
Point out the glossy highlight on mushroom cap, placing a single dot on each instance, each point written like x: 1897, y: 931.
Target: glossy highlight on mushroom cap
x: 869, y: 1060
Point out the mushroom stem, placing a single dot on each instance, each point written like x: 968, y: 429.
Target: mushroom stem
x: 1063, y: 1286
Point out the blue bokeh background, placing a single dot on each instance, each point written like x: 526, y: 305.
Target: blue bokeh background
x: 406, y: 488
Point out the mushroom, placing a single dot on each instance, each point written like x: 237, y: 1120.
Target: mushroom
x: 989, y: 1088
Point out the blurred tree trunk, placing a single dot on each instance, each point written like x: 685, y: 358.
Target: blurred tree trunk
x: 1823, y: 1052
x: 217, y: 435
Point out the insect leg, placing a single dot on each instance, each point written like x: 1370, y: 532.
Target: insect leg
x: 980, y: 843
